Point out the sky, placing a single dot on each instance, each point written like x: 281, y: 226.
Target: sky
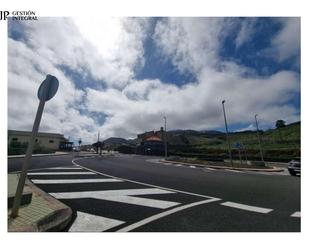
x: 120, y: 76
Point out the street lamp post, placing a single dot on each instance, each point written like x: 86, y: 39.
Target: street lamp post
x: 227, y: 134
x: 165, y: 138
x: 258, y: 135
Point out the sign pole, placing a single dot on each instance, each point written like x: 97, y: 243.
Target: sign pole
x: 239, y: 153
x: 47, y: 90
x: 25, y: 165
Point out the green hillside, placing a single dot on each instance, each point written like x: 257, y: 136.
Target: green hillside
x: 282, y: 144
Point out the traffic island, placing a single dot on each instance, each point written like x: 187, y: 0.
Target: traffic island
x: 224, y: 165
x: 43, y: 213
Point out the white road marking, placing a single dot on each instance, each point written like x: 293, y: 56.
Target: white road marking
x: 57, y: 181
x: 143, y: 201
x: 234, y: 171
x: 60, y: 167
x: 123, y: 196
x: 193, y: 167
x: 163, y: 214
x: 62, y: 173
x: 85, y: 222
x: 296, y: 214
x: 56, y: 168
x: 178, y: 165
x: 246, y: 207
x: 142, y: 183
x: 209, y: 168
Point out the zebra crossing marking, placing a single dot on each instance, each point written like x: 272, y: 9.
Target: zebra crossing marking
x: 123, y: 195
x: 296, y: 214
x: 93, y: 223
x: 90, y: 222
x: 61, y: 181
x: 61, y: 173
x: 56, y: 168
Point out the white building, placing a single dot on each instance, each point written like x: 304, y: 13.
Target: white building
x: 51, y: 141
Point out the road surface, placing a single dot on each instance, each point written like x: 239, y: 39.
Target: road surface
x: 138, y: 193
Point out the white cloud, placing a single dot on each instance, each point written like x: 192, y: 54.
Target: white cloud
x: 26, y: 71
x: 192, y: 43
x: 196, y: 105
x: 250, y: 127
x: 287, y: 42
x: 246, y: 31
x: 109, y: 50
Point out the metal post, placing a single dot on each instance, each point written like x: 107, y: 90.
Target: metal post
x: 98, y: 142
x: 258, y: 135
x: 25, y: 165
x: 245, y: 154
x: 165, y: 138
x: 239, y: 154
x: 227, y: 132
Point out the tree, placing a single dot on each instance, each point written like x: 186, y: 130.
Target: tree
x: 280, y: 124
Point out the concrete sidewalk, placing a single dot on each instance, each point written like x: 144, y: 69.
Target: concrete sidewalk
x: 43, y: 213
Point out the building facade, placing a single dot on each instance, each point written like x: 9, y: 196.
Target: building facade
x: 52, y: 141
x: 151, y: 143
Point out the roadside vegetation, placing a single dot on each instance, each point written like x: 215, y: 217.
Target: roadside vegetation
x: 281, y: 143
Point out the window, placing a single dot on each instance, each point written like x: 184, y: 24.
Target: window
x: 51, y: 141
x: 14, y: 139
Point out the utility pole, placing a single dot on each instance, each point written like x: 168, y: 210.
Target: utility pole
x: 258, y: 135
x: 165, y: 138
x: 227, y: 134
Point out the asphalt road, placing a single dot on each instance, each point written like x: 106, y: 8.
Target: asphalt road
x: 137, y: 193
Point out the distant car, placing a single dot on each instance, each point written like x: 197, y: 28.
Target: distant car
x: 294, y: 167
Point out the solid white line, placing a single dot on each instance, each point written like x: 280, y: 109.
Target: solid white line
x: 142, y: 183
x: 163, y: 214
x: 92, y: 223
x: 246, y: 207
x: 56, y: 168
x: 62, y: 173
x: 123, y: 196
x: 57, y: 181
x: 296, y: 214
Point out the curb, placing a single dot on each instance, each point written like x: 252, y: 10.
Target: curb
x: 55, y: 221
x: 37, y: 155
x: 273, y: 169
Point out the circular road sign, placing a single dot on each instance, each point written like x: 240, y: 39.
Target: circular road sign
x: 48, y: 88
